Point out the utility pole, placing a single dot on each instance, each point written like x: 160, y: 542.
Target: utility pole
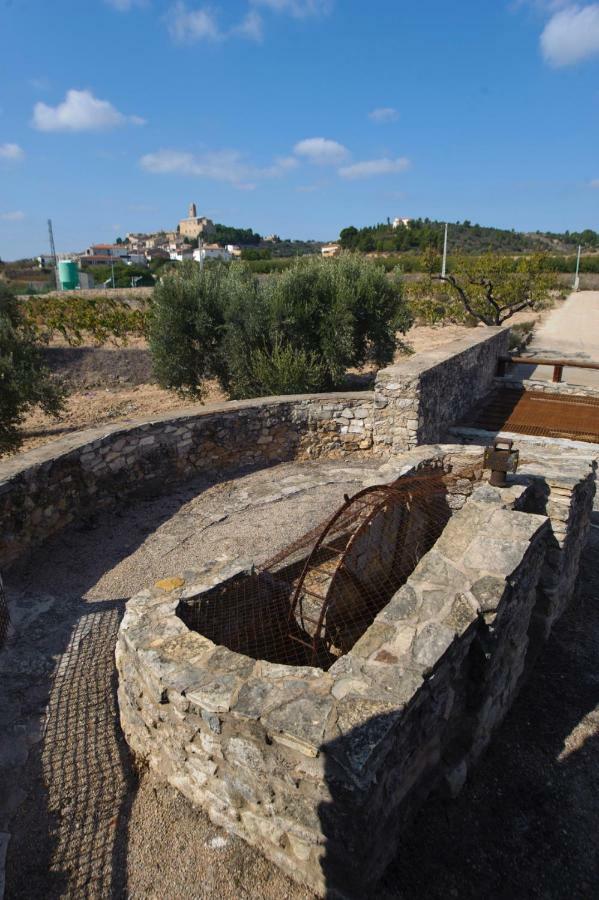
x: 576, y: 277
x: 201, y: 249
x: 444, y: 265
x: 112, y: 270
x: 53, y: 255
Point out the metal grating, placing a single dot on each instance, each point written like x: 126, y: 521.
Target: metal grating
x: 539, y: 413
x: 310, y: 603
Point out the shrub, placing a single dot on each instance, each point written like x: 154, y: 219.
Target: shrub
x: 185, y: 327
x: 283, y: 370
x: 24, y: 381
x: 298, y: 332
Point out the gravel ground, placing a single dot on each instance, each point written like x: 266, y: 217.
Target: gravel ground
x: 83, y: 823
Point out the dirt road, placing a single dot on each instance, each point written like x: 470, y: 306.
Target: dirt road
x: 570, y: 331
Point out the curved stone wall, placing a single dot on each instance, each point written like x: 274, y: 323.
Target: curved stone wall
x: 321, y: 769
x: 45, y: 489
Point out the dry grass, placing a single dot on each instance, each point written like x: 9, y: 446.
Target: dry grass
x: 113, y: 384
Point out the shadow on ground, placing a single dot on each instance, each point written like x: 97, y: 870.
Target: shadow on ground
x: 526, y: 824
x: 69, y: 835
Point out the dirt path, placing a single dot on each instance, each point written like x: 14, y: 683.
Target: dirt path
x: 570, y: 331
x: 83, y: 824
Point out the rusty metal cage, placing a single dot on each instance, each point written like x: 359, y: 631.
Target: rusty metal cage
x: 309, y: 604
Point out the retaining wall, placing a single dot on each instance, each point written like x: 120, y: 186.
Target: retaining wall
x: 416, y: 401
x: 45, y: 489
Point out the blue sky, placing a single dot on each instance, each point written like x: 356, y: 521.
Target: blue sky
x: 294, y: 116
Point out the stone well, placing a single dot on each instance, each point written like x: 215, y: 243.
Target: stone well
x: 322, y: 765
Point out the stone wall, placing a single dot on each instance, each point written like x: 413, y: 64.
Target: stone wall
x: 563, y: 488
x: 322, y: 769
x: 417, y: 400
x: 45, y: 489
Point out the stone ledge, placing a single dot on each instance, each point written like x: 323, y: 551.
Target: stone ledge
x: 46, y: 489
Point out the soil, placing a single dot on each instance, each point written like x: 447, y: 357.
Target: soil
x: 111, y: 383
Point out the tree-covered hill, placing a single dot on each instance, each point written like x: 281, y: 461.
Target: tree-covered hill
x: 464, y: 237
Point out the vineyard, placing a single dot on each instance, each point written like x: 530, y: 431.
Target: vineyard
x: 80, y: 319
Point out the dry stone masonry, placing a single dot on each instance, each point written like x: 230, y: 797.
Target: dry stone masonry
x: 418, y: 400
x: 45, y: 489
x: 322, y: 769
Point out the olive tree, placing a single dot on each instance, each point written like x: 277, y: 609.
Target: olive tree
x: 290, y: 333
x: 24, y: 379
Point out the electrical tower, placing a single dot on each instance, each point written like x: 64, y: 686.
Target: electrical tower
x: 53, y: 254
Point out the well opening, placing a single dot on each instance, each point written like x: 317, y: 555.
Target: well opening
x: 315, y: 599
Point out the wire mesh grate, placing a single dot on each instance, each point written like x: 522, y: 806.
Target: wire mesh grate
x: 542, y: 414
x: 311, y: 602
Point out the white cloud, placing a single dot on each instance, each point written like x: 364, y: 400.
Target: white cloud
x: 80, y: 111
x: 250, y: 27
x: 186, y: 26
x: 571, y: 35
x: 300, y: 9
x: 15, y: 216
x: 221, y: 165
x: 124, y: 5
x: 594, y: 183
x: 371, y: 167
x: 321, y: 151
x: 11, y: 152
x: 281, y: 165
x: 383, y: 114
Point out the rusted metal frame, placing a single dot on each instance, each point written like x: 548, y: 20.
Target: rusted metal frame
x: 325, y: 531
x: 558, y: 365
x: 327, y: 599
x: 547, y: 414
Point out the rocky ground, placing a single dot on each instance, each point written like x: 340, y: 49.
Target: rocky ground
x: 84, y: 823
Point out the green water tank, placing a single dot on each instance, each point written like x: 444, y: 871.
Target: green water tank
x: 68, y: 274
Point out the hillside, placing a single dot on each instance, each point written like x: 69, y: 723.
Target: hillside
x: 464, y: 237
